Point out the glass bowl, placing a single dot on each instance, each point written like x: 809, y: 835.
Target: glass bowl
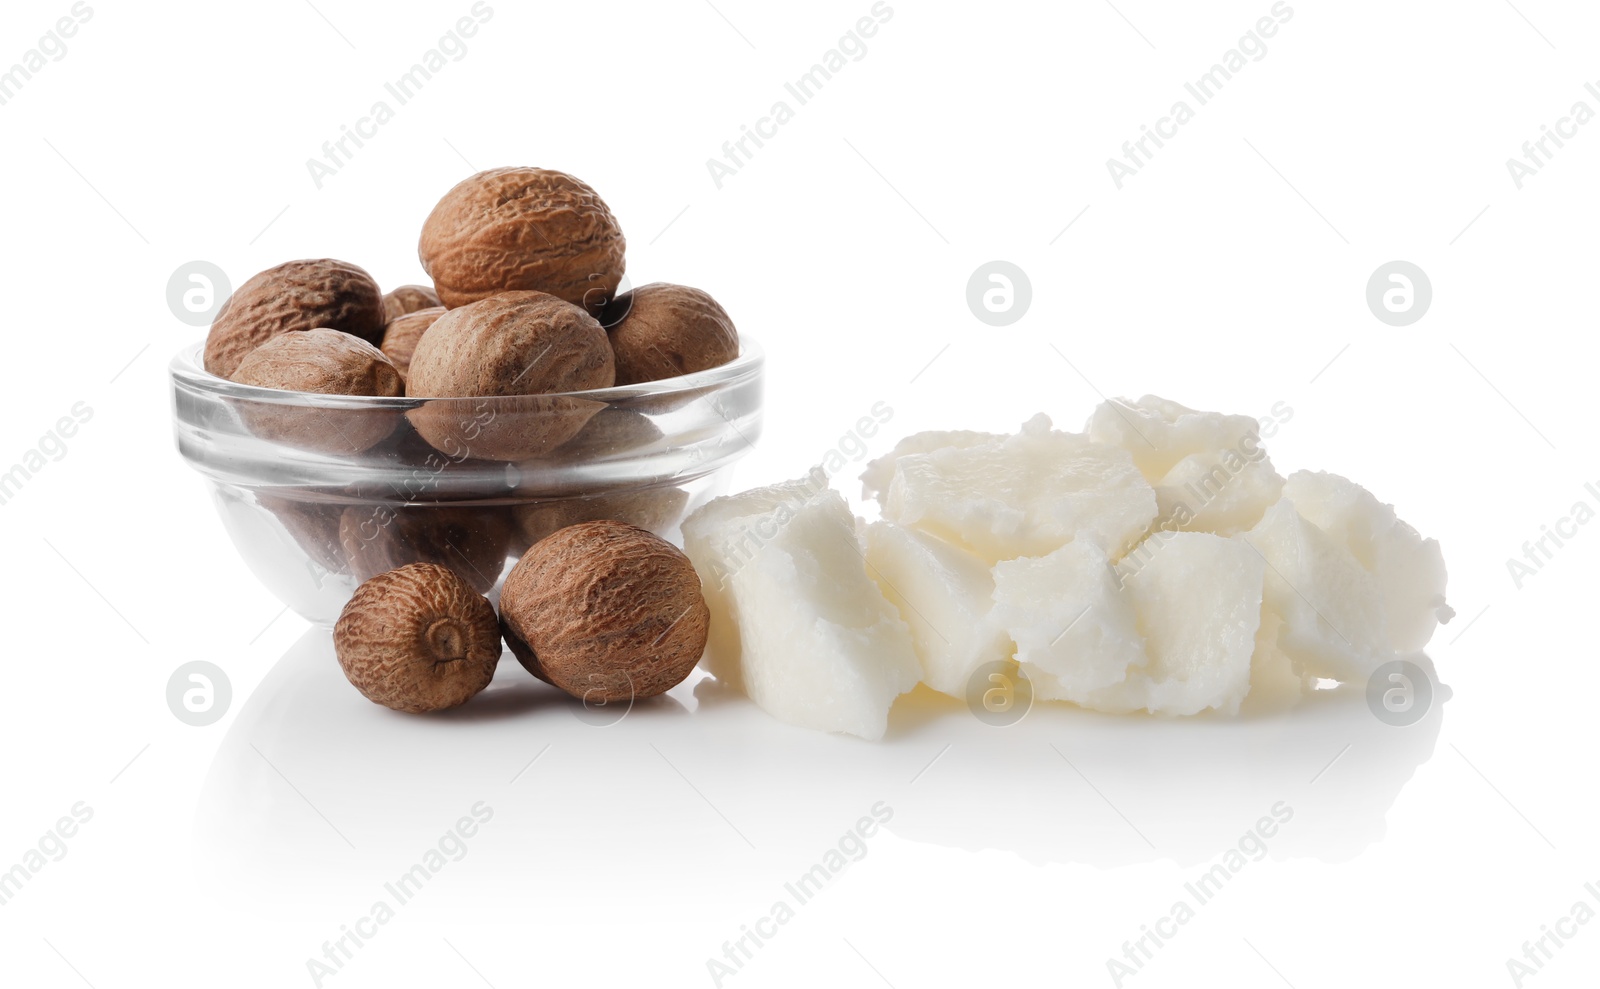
x: 321, y: 492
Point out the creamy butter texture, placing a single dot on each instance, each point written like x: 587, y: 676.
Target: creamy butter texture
x: 1155, y: 562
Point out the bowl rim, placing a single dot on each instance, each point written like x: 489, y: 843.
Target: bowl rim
x: 186, y: 368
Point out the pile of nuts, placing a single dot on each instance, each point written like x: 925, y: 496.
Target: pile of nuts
x: 526, y: 263
x: 603, y: 610
x: 524, y: 308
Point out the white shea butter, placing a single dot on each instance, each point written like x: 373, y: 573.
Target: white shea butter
x: 1209, y: 470
x: 1354, y: 586
x: 1275, y: 684
x: 1156, y: 563
x: 1074, y: 628
x: 1022, y: 495
x: 1198, y: 605
x: 944, y: 594
x: 1409, y: 569
x: 875, y: 479
x: 795, y: 619
x: 1172, y: 635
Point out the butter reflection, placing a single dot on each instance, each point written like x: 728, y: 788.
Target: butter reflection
x: 314, y: 780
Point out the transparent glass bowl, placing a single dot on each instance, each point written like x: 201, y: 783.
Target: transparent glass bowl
x: 320, y: 492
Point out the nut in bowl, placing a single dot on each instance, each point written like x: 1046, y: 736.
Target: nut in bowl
x: 347, y: 433
x: 292, y: 509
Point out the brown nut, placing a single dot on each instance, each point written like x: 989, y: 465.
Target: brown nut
x: 661, y: 331
x: 516, y: 344
x: 401, y: 335
x: 651, y: 509
x: 408, y: 299
x: 471, y: 541
x: 326, y: 362
x: 523, y: 228
x: 299, y: 295
x: 417, y: 639
x: 605, y: 611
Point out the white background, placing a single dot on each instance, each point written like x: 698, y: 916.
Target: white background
x: 1228, y: 274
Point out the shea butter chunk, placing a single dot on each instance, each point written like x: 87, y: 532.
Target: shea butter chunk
x: 1275, y: 684
x: 724, y: 535
x: 812, y: 639
x: 1332, y: 609
x: 1170, y: 630
x: 1198, y: 603
x: 1075, y: 629
x: 1023, y: 495
x: 1209, y: 470
x: 1354, y: 585
x: 1409, y: 569
x: 875, y: 479
x: 944, y: 594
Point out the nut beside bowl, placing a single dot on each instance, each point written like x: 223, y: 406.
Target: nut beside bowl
x: 282, y: 500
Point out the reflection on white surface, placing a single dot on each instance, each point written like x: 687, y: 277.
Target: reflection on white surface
x: 313, y: 779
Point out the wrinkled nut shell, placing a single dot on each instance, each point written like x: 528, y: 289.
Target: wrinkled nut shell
x: 408, y: 299
x: 401, y: 335
x: 523, y: 228
x: 605, y: 611
x: 324, y: 362
x: 417, y: 639
x: 515, y: 344
x: 293, y: 297
x: 662, y: 331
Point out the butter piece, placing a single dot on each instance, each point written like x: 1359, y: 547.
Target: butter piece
x: 795, y: 619
x: 1023, y: 495
x: 945, y: 595
x: 1209, y: 470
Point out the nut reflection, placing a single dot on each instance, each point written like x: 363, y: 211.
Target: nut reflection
x: 471, y: 541
x: 654, y: 509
